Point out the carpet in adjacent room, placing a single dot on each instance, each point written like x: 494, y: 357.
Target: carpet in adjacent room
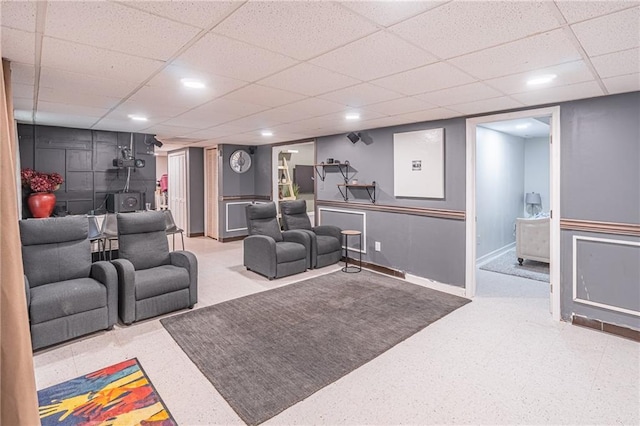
x: 507, y: 263
x: 267, y: 351
x: 121, y: 394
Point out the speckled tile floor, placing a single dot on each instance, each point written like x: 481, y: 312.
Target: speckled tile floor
x: 498, y: 360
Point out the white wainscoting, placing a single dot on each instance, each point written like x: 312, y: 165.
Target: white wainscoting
x: 363, y: 249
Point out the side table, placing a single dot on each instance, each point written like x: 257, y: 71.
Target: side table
x: 353, y: 268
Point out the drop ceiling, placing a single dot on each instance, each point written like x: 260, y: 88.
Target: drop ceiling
x: 297, y: 68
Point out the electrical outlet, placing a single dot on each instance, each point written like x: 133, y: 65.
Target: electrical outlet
x: 378, y: 246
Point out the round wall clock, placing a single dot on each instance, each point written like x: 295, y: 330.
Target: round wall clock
x: 240, y: 161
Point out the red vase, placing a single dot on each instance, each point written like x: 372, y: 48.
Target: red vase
x: 41, y: 204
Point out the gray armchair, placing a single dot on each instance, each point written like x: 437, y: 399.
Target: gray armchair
x: 326, y: 246
x: 151, y: 280
x: 67, y: 295
x: 270, y: 252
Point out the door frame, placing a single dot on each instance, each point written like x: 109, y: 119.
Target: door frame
x: 185, y: 208
x: 554, y: 208
x: 211, y: 178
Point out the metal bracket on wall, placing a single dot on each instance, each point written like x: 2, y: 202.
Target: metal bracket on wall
x: 342, y: 167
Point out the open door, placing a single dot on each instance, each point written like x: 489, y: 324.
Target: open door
x: 211, y: 184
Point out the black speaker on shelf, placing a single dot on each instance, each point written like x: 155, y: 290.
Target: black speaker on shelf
x: 123, y: 202
x: 353, y: 137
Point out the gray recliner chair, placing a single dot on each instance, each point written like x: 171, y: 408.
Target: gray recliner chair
x: 269, y: 251
x: 67, y: 295
x: 326, y: 245
x: 151, y: 280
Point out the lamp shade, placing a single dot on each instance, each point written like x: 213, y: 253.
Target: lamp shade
x: 532, y: 198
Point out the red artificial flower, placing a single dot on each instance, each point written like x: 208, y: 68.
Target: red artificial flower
x: 40, y: 182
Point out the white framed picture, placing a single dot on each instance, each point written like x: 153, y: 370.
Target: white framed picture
x: 418, y: 164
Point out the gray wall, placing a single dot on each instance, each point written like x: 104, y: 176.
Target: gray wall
x: 536, y: 170
x: 423, y: 246
x: 500, y: 171
x: 600, y: 172
x: 244, y: 187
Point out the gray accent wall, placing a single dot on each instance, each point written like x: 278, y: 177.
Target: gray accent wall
x: 423, y: 246
x: 600, y: 172
x: 500, y: 171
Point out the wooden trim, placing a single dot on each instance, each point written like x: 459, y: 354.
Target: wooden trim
x: 628, y: 333
x: 375, y: 267
x: 416, y: 211
x: 617, y: 228
x: 229, y: 239
x: 244, y: 197
x: 196, y: 234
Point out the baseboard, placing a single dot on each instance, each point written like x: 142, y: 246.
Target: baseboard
x: 628, y: 333
x: 229, y: 239
x: 196, y: 234
x: 435, y: 285
x: 496, y: 253
x: 377, y: 268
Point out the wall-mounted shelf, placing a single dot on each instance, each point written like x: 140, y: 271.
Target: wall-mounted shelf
x: 369, y: 187
x: 343, y: 167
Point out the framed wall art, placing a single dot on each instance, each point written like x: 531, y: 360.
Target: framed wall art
x: 418, y: 164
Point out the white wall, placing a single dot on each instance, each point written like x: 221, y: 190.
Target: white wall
x: 536, y: 170
x: 499, y: 188
x: 161, y: 166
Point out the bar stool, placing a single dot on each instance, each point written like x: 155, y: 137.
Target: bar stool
x: 353, y: 268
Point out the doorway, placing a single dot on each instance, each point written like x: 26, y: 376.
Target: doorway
x: 489, y: 230
x: 294, y: 174
x: 177, y: 188
x: 211, y: 191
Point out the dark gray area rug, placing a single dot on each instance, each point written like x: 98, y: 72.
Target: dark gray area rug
x: 267, y: 351
x: 508, y: 264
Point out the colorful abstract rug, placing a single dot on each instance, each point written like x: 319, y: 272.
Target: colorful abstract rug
x: 121, y: 394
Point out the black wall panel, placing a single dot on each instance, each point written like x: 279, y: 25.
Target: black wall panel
x: 84, y: 158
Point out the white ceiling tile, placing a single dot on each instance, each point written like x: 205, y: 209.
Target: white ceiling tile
x: 81, y: 121
x: 75, y: 97
x: 460, y: 94
x: 263, y: 95
x: 311, y: 107
x: 154, y: 112
x: 374, y: 56
x: 71, y: 109
x: 425, y: 79
x: 202, y: 117
x: 25, y: 104
x: 119, y: 125
x: 462, y: 27
x: 299, y: 29
x: 618, y: 63
x: 528, y: 54
x: 22, y: 73
x: 93, y: 61
x: 221, y: 55
x: 163, y: 130
x: 611, y: 33
x: 19, y: 90
x: 559, y: 94
x: 20, y: 15
x: 167, y: 102
x: 255, y: 122
x: 202, y: 14
x: 387, y: 13
x: 575, y: 11
x: 427, y: 115
x: 361, y: 95
x: 487, y: 105
x: 623, y: 83
x: 217, y: 131
x: 568, y: 73
x: 234, y: 107
x: 84, y: 84
x: 215, y: 85
x: 400, y: 106
x: 119, y: 28
x: 308, y: 80
x: 18, y: 45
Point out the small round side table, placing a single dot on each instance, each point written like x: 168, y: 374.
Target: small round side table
x: 351, y: 268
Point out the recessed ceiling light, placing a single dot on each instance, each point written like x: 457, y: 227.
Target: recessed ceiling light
x: 541, y: 80
x: 192, y: 83
x: 266, y: 133
x: 523, y: 126
x: 352, y: 116
x: 137, y: 117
